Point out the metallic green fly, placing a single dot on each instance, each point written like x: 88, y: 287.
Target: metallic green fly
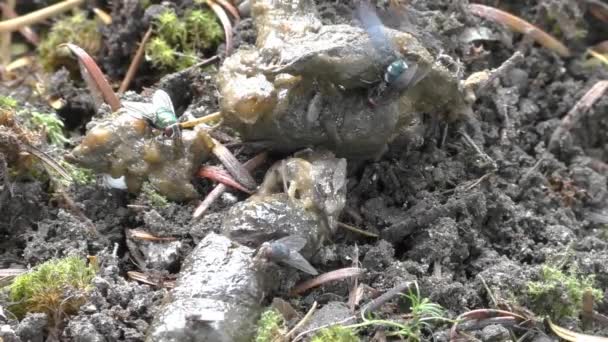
x: 160, y: 113
x: 401, y: 74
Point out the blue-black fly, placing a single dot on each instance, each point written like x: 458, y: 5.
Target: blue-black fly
x: 401, y: 74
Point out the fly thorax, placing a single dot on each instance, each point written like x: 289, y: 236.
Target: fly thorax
x: 394, y: 70
x: 278, y: 251
x: 164, y: 118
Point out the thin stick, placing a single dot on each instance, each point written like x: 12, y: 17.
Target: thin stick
x: 302, y: 321
x: 519, y: 25
x: 507, y: 65
x: 481, y: 314
x: 96, y: 81
x: 357, y: 230
x: 209, y: 200
x: 232, y: 165
x: 204, y: 119
x: 135, y: 63
x: 5, y: 37
x: 103, y: 16
x: 477, y: 149
x: 477, y: 181
x: 490, y: 293
x: 140, y: 234
x: 48, y: 161
x: 220, y: 175
x: 602, y: 58
x: 385, y: 297
x: 38, y: 16
x: 303, y: 333
x: 577, y: 112
x: 219, y: 189
x: 221, y: 14
x: 199, y: 64
x: 25, y: 31
x: 598, y: 9
x: 230, y: 8
x: 327, y: 277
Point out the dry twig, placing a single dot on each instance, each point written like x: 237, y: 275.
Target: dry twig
x: 576, y: 113
x: 325, y: 278
x: 483, y: 314
x: 519, y: 25
x: 232, y: 165
x: 357, y: 230
x: 97, y: 83
x: 38, y: 16
x: 5, y: 37
x: 385, y: 297
x: 204, y: 119
x: 139, y: 234
x: 221, y: 14
x: 105, y: 18
x: 598, y: 9
x: 135, y: 63
x: 219, y: 189
x: 220, y: 175
x: 302, y: 321
x: 230, y: 8
x: 25, y: 31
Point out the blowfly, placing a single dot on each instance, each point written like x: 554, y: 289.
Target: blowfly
x: 401, y: 74
x: 160, y: 113
x: 286, y: 251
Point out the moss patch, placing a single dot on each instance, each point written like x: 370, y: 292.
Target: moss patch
x: 558, y: 294
x: 57, y: 287
x: 270, y: 326
x: 179, y: 40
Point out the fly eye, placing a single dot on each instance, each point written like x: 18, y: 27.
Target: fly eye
x: 168, y: 132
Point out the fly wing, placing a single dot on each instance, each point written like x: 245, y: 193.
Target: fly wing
x: 373, y: 26
x: 161, y: 99
x: 410, y: 77
x: 292, y: 242
x: 140, y: 109
x: 296, y: 260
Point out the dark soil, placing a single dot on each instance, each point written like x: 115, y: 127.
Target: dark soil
x: 448, y: 219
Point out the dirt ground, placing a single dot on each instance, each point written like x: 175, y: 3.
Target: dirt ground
x: 470, y: 222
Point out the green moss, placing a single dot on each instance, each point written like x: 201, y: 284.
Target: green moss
x: 270, y: 326
x: 153, y: 197
x: 171, y: 28
x: 7, y: 103
x: 52, y: 126
x: 422, y: 313
x: 76, y: 29
x: 558, y: 293
x: 79, y: 175
x: 161, y: 54
x: 336, y: 333
x: 56, y: 287
x: 205, y: 31
x: 179, y: 40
